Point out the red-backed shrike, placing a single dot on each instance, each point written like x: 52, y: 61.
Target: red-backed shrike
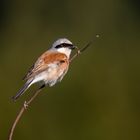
x: 50, y: 67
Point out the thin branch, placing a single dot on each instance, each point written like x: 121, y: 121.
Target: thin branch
x: 27, y: 103
x: 79, y: 51
x: 22, y: 110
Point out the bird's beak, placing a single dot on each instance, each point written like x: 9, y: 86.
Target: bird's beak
x: 73, y: 47
x: 77, y: 49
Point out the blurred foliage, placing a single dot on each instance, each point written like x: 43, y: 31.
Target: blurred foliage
x: 99, y: 98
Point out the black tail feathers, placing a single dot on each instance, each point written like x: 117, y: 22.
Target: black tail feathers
x: 21, y: 91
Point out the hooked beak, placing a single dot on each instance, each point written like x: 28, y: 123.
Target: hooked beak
x: 72, y: 47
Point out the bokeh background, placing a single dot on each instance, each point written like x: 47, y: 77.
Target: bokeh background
x: 99, y: 98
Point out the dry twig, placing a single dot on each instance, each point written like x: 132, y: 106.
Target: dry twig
x: 79, y: 51
x: 22, y: 110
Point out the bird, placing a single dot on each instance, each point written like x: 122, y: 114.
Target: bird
x: 50, y: 67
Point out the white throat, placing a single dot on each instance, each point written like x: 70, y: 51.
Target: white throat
x: 66, y: 51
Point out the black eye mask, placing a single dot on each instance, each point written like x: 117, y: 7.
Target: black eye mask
x: 65, y: 45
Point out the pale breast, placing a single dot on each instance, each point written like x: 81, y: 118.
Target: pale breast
x: 55, y: 73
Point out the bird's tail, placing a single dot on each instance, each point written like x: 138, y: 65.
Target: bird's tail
x: 22, y: 90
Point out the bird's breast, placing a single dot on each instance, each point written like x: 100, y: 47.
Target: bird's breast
x: 54, y: 73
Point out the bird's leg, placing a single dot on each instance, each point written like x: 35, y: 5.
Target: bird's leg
x: 42, y: 86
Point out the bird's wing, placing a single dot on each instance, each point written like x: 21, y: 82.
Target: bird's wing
x: 43, y: 62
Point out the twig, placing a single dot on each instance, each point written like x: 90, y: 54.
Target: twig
x: 22, y: 110
x: 27, y: 103
x: 79, y: 51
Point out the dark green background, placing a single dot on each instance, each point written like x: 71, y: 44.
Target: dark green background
x: 99, y: 98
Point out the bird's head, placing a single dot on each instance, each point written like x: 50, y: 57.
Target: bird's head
x: 63, y: 45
